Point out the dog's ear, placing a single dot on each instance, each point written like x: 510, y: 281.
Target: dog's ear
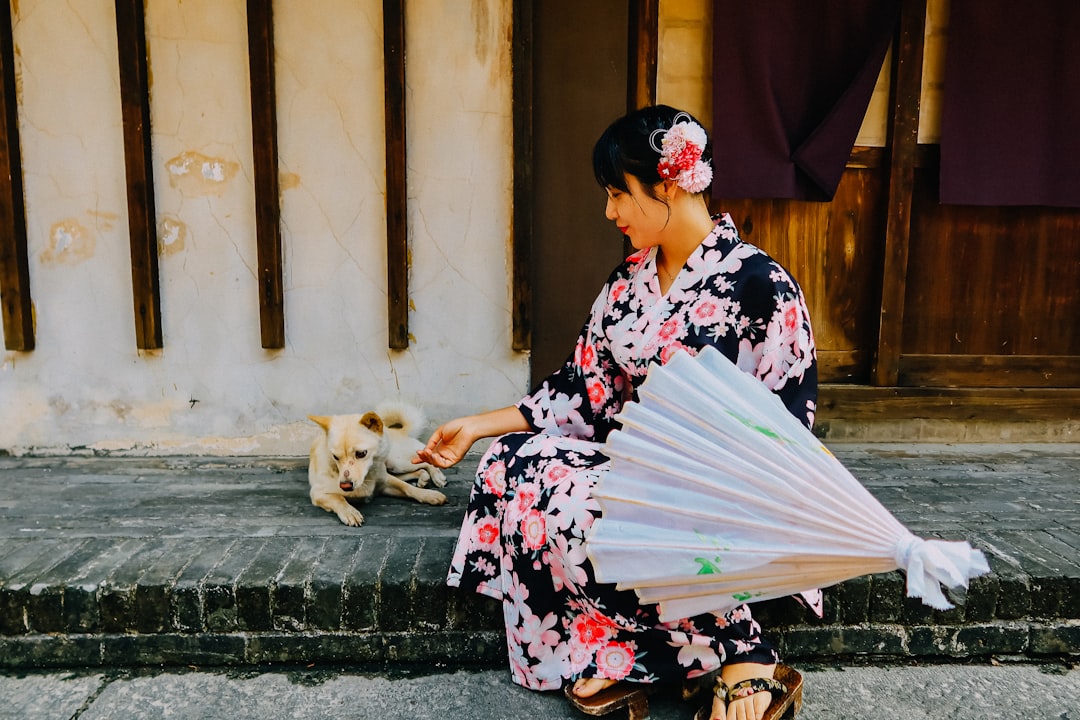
x: 321, y: 420
x: 372, y: 422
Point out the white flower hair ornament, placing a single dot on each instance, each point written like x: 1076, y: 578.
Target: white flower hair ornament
x: 680, y: 150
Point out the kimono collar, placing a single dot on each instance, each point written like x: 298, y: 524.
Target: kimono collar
x: 723, y: 237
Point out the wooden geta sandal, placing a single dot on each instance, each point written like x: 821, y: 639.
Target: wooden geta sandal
x: 632, y: 696
x: 785, y: 687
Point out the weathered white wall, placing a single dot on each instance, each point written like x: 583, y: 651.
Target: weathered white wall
x: 213, y: 389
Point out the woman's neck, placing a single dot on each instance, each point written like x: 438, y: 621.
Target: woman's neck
x: 690, y: 224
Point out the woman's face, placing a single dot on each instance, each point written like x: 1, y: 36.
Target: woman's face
x: 639, y: 216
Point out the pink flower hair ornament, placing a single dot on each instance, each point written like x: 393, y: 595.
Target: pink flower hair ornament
x: 680, y: 148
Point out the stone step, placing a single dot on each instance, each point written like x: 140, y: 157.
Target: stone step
x: 187, y: 561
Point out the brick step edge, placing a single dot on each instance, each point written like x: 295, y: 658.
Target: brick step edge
x: 401, y: 597
x: 488, y: 647
x: 446, y: 648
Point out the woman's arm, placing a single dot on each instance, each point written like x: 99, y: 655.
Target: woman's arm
x: 451, y: 440
x: 582, y: 398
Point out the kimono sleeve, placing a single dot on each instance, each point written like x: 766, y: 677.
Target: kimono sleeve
x: 580, y: 399
x: 783, y: 357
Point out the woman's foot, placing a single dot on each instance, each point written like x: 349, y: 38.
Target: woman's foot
x: 597, y: 696
x: 587, y: 687
x: 748, y: 708
x: 751, y: 707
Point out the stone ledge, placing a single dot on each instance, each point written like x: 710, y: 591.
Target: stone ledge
x: 368, y: 583
x: 488, y: 647
x: 382, y: 598
x: 396, y: 584
x: 210, y: 649
x: 1034, y: 640
x: 195, y: 561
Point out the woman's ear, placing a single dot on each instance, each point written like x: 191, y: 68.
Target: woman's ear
x: 670, y: 187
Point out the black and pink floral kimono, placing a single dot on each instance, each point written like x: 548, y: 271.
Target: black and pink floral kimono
x: 531, y: 506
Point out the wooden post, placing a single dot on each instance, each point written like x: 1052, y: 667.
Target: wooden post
x: 904, y: 139
x: 521, y: 293
x: 265, y: 155
x: 397, y: 243
x: 138, y: 163
x: 644, y: 47
x: 17, y: 309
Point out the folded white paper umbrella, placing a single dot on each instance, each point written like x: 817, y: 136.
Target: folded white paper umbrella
x: 718, y: 496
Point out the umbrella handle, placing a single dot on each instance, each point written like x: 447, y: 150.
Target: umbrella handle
x: 905, y: 548
x: 929, y: 564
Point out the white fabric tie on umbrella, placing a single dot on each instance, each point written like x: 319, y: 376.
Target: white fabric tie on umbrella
x: 717, y: 495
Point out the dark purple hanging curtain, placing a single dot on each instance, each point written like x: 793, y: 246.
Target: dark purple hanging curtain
x: 791, y: 83
x: 1010, y: 132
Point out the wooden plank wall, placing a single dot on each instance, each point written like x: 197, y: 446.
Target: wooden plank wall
x: 835, y: 251
x: 922, y: 309
x: 993, y: 294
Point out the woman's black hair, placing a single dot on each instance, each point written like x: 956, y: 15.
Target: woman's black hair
x: 626, y: 148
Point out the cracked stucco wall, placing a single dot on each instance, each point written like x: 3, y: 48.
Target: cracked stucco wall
x: 213, y: 389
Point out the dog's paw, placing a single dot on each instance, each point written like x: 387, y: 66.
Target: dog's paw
x: 351, y: 516
x: 430, y: 474
x: 437, y: 476
x: 431, y: 497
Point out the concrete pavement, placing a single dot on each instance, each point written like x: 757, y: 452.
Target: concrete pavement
x: 1047, y: 691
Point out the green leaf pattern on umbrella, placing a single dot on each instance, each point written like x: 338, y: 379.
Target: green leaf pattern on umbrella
x: 710, y: 567
x: 766, y: 431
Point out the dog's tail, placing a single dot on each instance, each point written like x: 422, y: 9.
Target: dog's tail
x: 396, y: 413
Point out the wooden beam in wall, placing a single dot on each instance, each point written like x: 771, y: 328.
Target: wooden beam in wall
x: 904, y: 137
x: 397, y: 243
x: 1002, y: 371
x: 644, y: 52
x: 17, y: 310
x: 521, y: 244
x: 864, y: 157
x: 862, y: 403
x: 265, y: 155
x: 138, y: 163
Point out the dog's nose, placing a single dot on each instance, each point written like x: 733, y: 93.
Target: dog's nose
x: 346, y: 474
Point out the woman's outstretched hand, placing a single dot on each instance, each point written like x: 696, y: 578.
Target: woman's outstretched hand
x: 447, y: 445
x: 451, y: 440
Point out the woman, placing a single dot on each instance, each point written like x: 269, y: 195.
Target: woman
x: 691, y: 283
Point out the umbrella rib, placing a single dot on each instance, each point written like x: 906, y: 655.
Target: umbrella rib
x: 750, y: 499
x: 824, y: 505
x: 656, y: 438
x: 804, y: 568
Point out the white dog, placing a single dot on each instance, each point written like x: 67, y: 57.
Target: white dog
x: 355, y: 455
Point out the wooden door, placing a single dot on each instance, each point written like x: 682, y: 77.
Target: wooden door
x: 579, y: 81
